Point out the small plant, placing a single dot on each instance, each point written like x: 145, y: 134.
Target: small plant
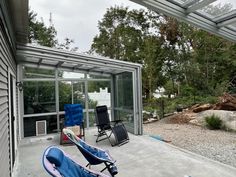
x: 213, y: 122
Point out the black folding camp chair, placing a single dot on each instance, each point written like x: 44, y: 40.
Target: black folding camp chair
x: 106, y: 127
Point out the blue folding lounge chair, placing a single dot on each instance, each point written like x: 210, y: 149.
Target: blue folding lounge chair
x: 73, y: 118
x: 93, y: 155
x: 58, y: 164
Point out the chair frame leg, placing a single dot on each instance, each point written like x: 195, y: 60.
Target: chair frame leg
x: 104, y: 133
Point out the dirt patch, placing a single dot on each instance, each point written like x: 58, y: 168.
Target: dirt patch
x: 178, y: 119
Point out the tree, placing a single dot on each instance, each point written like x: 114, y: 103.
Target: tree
x: 39, y: 33
x: 67, y: 45
x: 130, y: 35
x: 152, y: 56
x: 172, y: 53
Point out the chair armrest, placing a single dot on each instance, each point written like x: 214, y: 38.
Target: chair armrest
x: 98, y: 125
x: 117, y: 121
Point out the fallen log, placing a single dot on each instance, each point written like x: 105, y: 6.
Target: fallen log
x: 201, y: 108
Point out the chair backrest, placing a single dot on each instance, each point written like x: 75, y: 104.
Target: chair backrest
x: 93, y: 155
x: 64, y: 165
x: 102, y: 116
x: 73, y: 114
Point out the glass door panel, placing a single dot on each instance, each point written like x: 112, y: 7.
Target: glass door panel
x: 65, y: 94
x: 79, y: 93
x: 124, y: 104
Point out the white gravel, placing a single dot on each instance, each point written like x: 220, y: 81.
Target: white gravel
x: 214, y: 144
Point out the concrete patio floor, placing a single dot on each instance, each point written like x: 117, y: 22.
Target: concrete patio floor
x: 143, y: 156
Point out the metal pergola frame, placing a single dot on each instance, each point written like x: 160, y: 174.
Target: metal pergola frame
x: 49, y: 58
x: 187, y: 12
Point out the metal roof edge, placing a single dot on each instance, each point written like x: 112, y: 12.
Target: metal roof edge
x: 66, y: 54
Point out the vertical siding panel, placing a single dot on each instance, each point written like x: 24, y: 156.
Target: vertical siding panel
x: 7, y: 63
x: 4, y: 120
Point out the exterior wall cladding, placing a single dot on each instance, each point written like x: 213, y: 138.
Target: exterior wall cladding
x: 7, y: 64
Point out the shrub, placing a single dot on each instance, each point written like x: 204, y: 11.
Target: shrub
x: 213, y: 122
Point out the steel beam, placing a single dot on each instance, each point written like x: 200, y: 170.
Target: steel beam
x: 92, y: 68
x: 77, y: 66
x: 59, y: 64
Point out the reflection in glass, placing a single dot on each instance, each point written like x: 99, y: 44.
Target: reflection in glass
x: 37, y: 73
x: 79, y: 93
x: 65, y: 94
x: 124, y: 91
x: 99, y: 93
x: 30, y: 124
x: 39, y: 97
x: 127, y: 118
x: 92, y: 121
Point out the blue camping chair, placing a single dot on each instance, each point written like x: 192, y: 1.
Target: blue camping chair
x: 58, y: 164
x: 73, y: 119
x: 93, y: 155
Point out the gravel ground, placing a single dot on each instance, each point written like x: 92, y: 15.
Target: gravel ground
x: 214, y: 144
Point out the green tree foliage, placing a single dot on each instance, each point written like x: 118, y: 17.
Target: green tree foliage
x: 66, y: 45
x: 152, y: 66
x: 130, y: 35
x: 120, y: 36
x: 39, y: 33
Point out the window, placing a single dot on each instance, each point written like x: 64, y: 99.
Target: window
x: 39, y: 97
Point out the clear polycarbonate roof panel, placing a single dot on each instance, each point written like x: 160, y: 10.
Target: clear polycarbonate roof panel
x: 215, y: 16
x: 218, y: 8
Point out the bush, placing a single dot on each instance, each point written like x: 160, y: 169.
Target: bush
x: 213, y: 122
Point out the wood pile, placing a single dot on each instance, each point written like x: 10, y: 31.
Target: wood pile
x: 199, y: 108
x: 226, y: 102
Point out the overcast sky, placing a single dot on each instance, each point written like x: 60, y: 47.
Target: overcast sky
x: 76, y: 19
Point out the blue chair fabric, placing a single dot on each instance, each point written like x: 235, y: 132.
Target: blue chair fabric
x: 73, y: 117
x: 92, y: 154
x: 59, y: 164
x: 73, y: 114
